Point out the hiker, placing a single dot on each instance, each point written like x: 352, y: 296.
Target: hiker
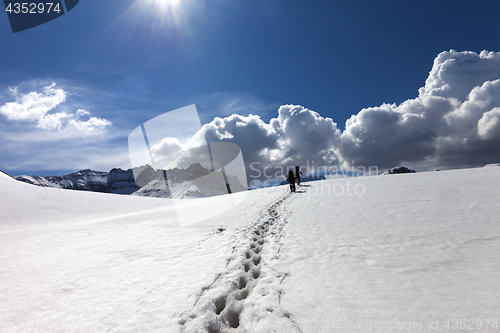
x: 291, y: 180
x: 297, y: 174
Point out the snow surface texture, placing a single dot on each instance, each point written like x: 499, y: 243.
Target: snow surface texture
x: 388, y: 254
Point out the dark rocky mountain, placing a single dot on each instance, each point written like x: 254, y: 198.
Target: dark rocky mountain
x: 398, y: 170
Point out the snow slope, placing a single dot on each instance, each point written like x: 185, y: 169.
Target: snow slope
x: 413, y: 250
x: 388, y: 254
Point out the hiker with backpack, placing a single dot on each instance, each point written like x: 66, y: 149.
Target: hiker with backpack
x: 291, y: 180
x: 297, y: 174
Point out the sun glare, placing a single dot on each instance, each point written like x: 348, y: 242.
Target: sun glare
x: 169, y: 3
x: 163, y: 14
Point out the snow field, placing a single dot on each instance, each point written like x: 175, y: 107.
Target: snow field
x: 115, y: 263
x: 410, y: 253
x: 415, y: 248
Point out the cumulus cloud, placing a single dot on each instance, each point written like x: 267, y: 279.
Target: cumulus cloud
x: 89, y: 125
x: 166, y: 147
x: 255, y: 137
x: 488, y: 127
x: 454, y: 122
x: 296, y: 137
x: 52, y: 121
x: 35, y: 107
x: 304, y: 136
x: 455, y: 74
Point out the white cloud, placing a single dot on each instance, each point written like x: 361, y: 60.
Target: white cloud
x: 82, y: 112
x: 488, y: 127
x: 296, y: 136
x: 304, y: 135
x: 90, y: 125
x: 251, y: 133
x: 455, y: 74
x: 52, y: 121
x: 35, y: 106
x: 451, y: 123
x: 166, y: 147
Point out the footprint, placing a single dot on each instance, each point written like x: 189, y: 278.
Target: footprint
x: 248, y: 264
x: 242, y: 295
x: 248, y: 254
x: 255, y: 272
x: 233, y: 318
x: 242, y: 282
x: 256, y: 260
x: 220, y: 304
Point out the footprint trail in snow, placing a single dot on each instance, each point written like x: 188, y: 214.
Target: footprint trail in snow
x: 246, y: 297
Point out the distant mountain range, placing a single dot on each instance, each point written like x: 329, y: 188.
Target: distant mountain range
x: 192, y: 182
x: 115, y: 181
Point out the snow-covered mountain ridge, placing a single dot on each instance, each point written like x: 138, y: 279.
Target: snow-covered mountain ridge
x: 115, y: 181
x: 188, y: 183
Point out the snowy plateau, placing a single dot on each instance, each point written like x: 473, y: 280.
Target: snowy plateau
x: 417, y: 252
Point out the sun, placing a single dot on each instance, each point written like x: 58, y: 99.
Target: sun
x: 169, y: 3
x: 162, y: 15
x: 160, y: 5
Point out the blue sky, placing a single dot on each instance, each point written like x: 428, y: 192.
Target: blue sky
x: 126, y: 61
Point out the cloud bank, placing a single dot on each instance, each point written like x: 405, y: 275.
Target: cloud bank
x: 454, y: 122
